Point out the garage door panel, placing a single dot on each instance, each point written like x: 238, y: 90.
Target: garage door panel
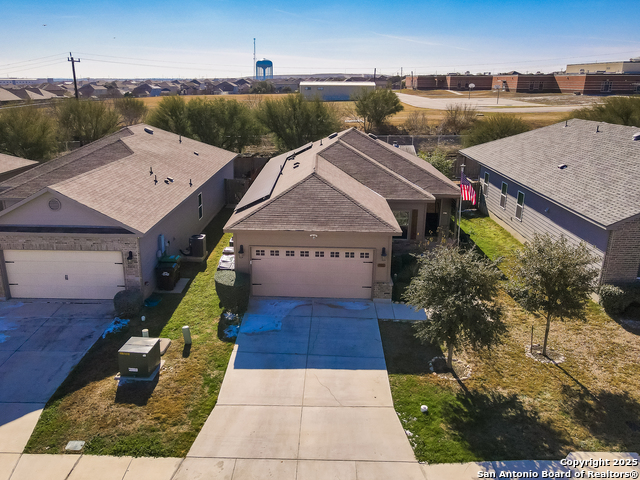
x: 64, y: 274
x: 282, y: 275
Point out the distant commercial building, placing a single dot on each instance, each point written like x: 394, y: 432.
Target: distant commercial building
x: 581, y: 83
x: 631, y: 66
x: 24, y: 81
x: 334, y: 91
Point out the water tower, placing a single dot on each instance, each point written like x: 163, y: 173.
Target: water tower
x: 264, y: 69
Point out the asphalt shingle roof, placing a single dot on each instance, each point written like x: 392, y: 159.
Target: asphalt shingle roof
x: 112, y: 176
x: 9, y: 163
x: 336, y: 186
x: 599, y: 181
x: 412, y: 168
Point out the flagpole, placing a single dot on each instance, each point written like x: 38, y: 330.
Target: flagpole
x: 460, y: 206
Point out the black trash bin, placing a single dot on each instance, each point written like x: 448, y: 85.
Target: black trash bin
x: 197, y: 245
x: 167, y: 276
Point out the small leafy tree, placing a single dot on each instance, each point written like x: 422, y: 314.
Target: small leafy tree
x: 375, y: 106
x: 224, y: 123
x: 28, y: 132
x: 132, y: 110
x: 457, y: 289
x: 493, y: 128
x: 263, y: 86
x: 294, y: 120
x: 618, y: 110
x: 438, y: 158
x: 457, y: 118
x: 86, y: 120
x: 554, y: 278
x: 171, y: 115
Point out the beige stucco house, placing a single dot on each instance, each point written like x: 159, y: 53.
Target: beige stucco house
x: 320, y: 221
x: 89, y: 224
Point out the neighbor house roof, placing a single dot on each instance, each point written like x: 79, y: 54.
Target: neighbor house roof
x: 113, y: 175
x: 7, y: 96
x: 9, y: 163
x: 601, y: 161
x: 331, y: 185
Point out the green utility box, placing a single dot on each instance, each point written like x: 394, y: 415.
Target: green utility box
x: 139, y: 357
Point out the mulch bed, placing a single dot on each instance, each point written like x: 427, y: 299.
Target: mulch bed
x: 461, y: 370
x: 535, y: 352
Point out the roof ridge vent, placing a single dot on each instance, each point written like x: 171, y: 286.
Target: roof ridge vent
x: 148, y: 130
x: 333, y: 135
x: 373, y: 136
x: 636, y: 136
x: 562, y: 166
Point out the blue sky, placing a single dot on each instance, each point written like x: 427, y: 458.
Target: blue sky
x: 215, y: 38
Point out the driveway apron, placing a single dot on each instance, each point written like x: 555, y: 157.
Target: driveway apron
x: 40, y: 343
x: 306, y: 393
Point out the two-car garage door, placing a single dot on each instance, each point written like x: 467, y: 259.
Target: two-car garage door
x: 64, y: 274
x: 311, y: 272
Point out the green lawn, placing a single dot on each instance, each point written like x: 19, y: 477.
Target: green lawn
x: 158, y: 419
x: 513, y: 407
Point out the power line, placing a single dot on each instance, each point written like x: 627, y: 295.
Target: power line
x: 32, y: 60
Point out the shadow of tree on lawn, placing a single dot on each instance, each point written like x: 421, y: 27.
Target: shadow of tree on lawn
x: 612, y: 418
x: 499, y: 426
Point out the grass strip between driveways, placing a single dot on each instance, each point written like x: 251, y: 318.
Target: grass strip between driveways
x: 159, y: 418
x: 512, y: 407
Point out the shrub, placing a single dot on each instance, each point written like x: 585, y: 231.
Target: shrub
x: 128, y: 303
x: 616, y: 299
x: 233, y: 290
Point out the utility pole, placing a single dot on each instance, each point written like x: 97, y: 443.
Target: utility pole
x: 73, y: 67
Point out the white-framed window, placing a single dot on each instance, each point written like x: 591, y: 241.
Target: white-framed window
x: 503, y: 195
x: 364, y: 254
x: 304, y: 253
x: 320, y: 88
x: 307, y: 88
x: 349, y: 255
x: 200, y: 207
x: 259, y: 253
x: 519, y: 205
x: 275, y: 253
x: 485, y: 185
x: 290, y: 253
x: 319, y: 254
x: 335, y: 254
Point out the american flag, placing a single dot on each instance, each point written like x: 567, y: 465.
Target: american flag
x: 466, y: 189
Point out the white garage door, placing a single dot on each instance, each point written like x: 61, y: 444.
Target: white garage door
x: 311, y: 272
x: 64, y: 274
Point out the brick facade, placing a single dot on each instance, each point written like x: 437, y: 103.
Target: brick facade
x: 622, y: 261
x: 125, y: 244
x: 382, y: 290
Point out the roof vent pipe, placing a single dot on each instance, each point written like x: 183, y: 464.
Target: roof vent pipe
x: 566, y: 123
x: 598, y: 129
x: 150, y: 170
x: 180, y: 139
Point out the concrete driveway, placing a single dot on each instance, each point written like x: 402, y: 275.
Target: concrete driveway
x: 306, y: 396
x: 40, y: 343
